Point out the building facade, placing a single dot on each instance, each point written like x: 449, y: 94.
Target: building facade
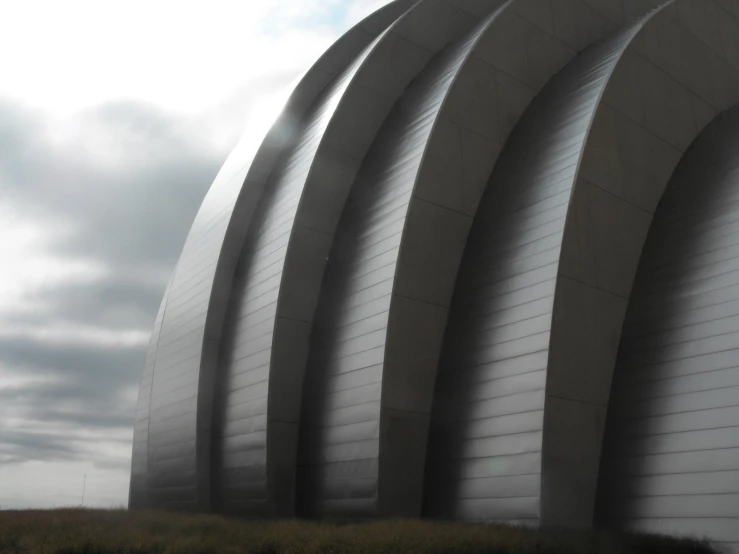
x: 483, y: 266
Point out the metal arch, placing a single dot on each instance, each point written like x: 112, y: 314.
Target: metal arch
x: 485, y: 451
x: 284, y: 257
x: 138, y: 495
x: 598, y: 24
x: 490, y: 94
x: 367, y: 231
x: 575, y: 381
x: 242, y: 430
x: 249, y: 433
x: 655, y: 104
x: 671, y: 447
x: 549, y: 353
x: 424, y: 252
x: 178, y: 460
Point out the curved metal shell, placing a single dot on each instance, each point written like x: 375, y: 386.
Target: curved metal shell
x: 286, y: 252
x: 139, y: 486
x: 540, y: 297
x: 247, y: 483
x: 486, y: 444
x: 341, y: 434
x: 355, y: 213
x: 491, y: 91
x: 671, y: 449
x: 499, y: 86
x: 178, y: 452
x: 656, y: 103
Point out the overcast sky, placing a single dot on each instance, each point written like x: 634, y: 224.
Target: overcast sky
x: 114, y: 119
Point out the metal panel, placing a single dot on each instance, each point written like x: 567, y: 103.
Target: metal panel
x: 488, y: 417
x: 517, y: 81
x: 198, y: 294
x: 502, y: 448
x: 600, y: 241
x: 139, y: 486
x: 341, y: 422
x: 241, y: 470
x: 488, y: 96
x: 285, y: 254
x: 654, y: 106
x: 670, y: 458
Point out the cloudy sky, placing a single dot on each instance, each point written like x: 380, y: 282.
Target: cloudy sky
x: 114, y: 119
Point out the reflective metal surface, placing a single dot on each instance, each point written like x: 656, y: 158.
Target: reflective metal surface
x: 671, y: 452
x: 243, y: 421
x: 178, y: 456
x: 342, y: 423
x: 284, y: 258
x: 539, y: 327
x: 486, y: 441
x: 657, y: 101
x: 331, y: 250
x: 490, y: 92
x: 139, y: 487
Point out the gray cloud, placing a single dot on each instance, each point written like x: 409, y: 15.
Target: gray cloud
x: 87, y: 363
x: 136, y: 206
x: 124, y: 187
x: 21, y: 446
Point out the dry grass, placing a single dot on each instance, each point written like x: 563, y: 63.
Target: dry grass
x: 78, y: 531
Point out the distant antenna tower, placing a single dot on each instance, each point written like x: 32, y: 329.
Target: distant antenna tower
x: 84, y: 481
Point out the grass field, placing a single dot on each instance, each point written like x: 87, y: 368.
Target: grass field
x: 80, y: 531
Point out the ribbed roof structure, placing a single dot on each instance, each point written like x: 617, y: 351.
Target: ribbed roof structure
x: 484, y: 266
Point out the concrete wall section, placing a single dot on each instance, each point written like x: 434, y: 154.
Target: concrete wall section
x: 671, y: 452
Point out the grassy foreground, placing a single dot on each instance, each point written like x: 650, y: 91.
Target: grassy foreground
x: 78, y: 531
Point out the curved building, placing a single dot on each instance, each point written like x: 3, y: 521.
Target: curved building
x: 484, y: 266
